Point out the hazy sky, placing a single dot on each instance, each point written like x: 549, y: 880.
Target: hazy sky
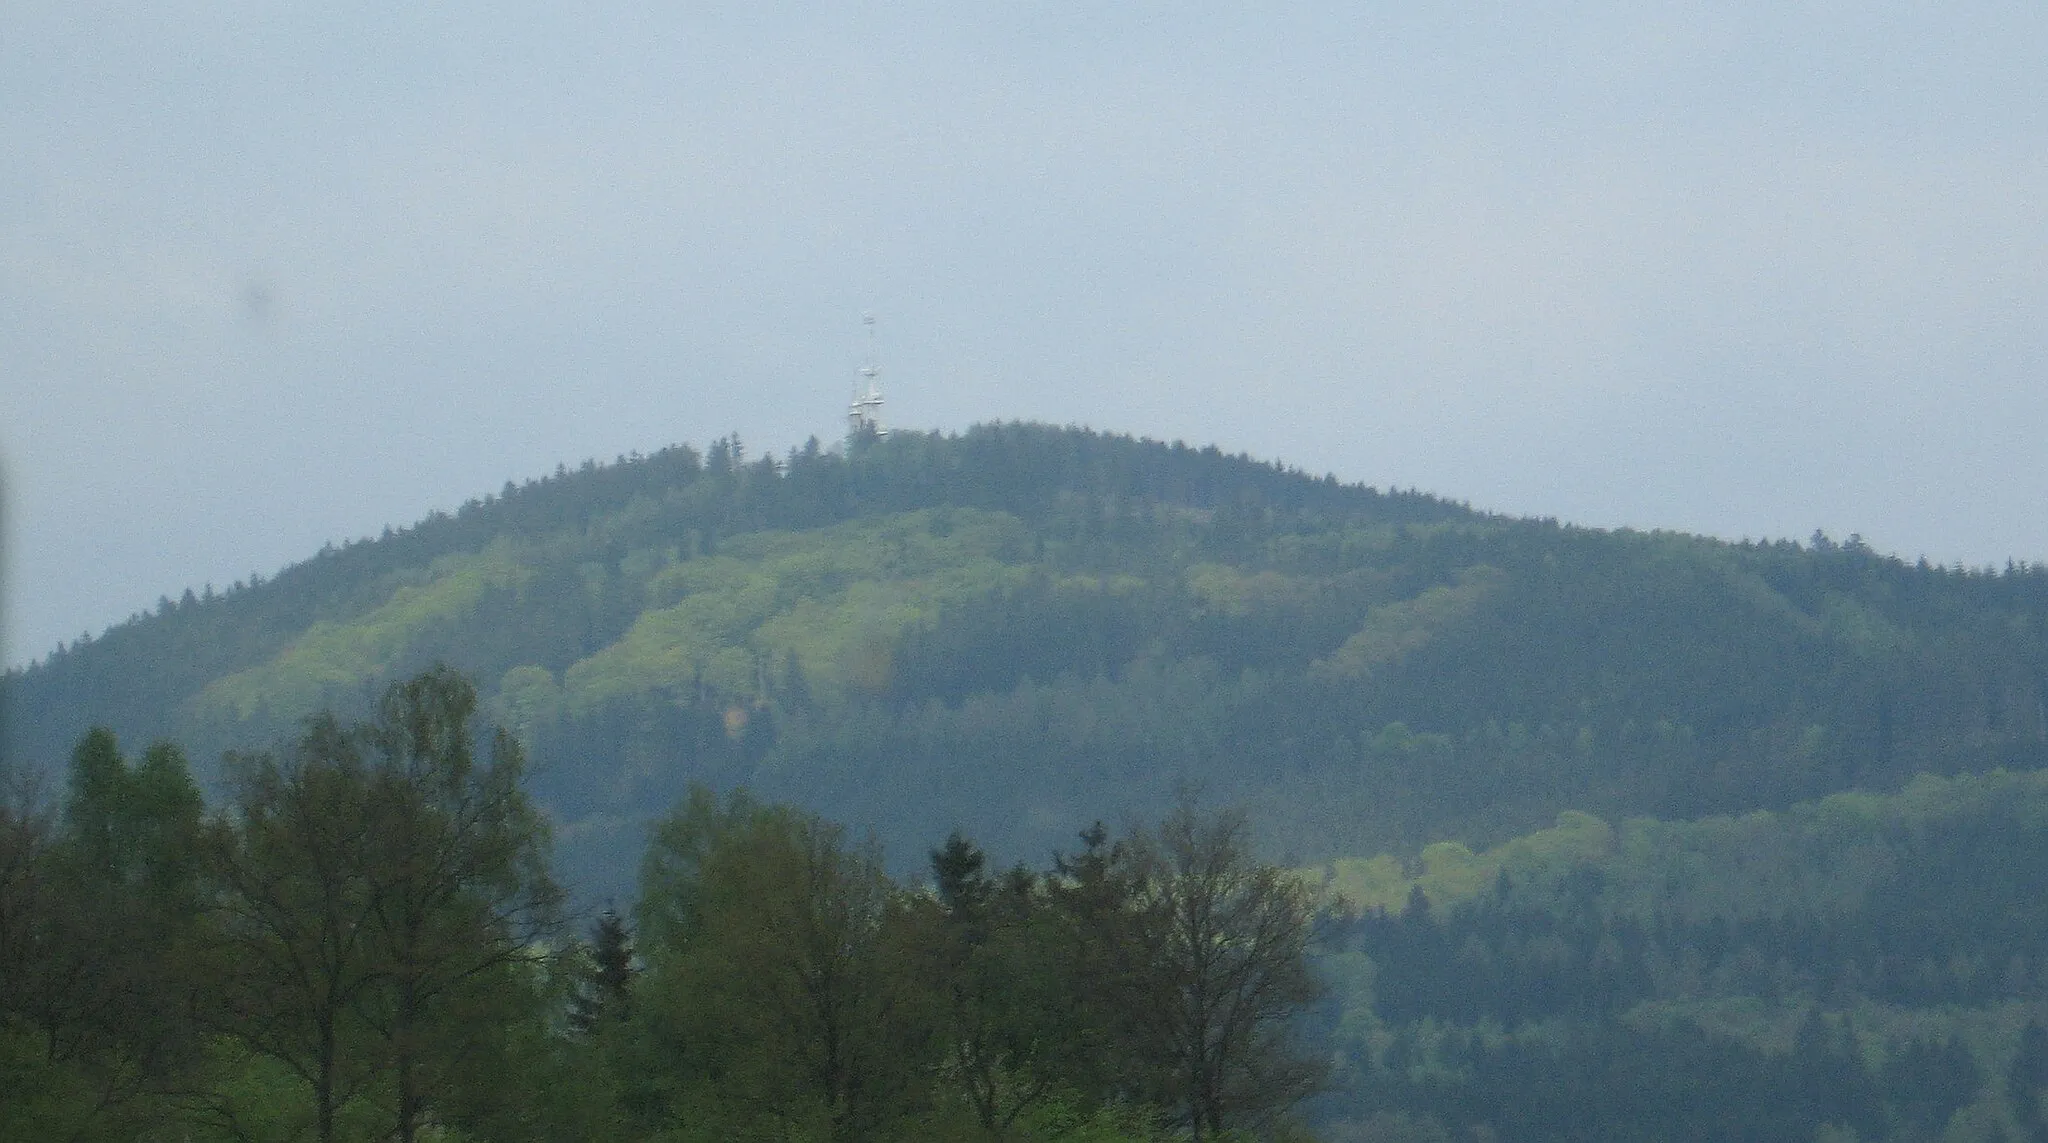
x: 273, y: 274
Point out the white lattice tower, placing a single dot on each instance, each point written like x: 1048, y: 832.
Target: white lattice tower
x: 864, y: 415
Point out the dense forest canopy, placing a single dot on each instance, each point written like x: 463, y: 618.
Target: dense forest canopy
x: 1017, y: 626
x: 365, y: 943
x: 1548, y: 832
x: 1864, y: 966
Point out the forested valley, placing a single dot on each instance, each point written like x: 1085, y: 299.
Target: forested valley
x: 1579, y: 834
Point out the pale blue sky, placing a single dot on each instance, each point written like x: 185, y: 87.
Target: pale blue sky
x: 276, y: 274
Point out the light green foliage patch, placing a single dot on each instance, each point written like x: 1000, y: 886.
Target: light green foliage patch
x: 1817, y: 857
x: 1823, y: 857
x: 1450, y: 872
x: 1394, y: 631
x: 1862, y: 628
x: 1224, y: 590
x: 525, y: 694
x: 833, y: 600
x: 331, y: 657
x: 1367, y: 882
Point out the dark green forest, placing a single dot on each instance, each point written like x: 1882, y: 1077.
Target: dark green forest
x: 1592, y: 834
x: 1865, y: 966
x: 1018, y: 627
x: 364, y: 942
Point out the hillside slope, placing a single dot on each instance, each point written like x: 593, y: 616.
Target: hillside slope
x: 1863, y: 966
x: 1021, y: 628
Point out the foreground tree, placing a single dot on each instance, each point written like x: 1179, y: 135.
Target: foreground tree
x: 1007, y: 1010
x: 773, y: 1004
x: 1223, y: 946
x: 97, y: 921
x: 135, y: 827
x: 1112, y: 1055
x: 294, y: 911
x: 458, y: 886
x: 380, y: 890
x: 36, y: 1079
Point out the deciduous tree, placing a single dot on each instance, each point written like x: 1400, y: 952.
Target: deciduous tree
x: 1001, y: 969
x: 774, y: 1001
x: 96, y: 923
x: 381, y: 893
x: 1227, y: 940
x: 457, y: 881
x: 296, y: 949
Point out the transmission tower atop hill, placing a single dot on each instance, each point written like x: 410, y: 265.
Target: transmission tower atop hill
x: 864, y: 415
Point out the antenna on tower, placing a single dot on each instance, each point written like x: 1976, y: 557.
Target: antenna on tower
x: 864, y: 415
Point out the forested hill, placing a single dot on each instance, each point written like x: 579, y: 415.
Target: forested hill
x: 1021, y: 628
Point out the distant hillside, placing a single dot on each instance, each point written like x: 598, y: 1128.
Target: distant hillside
x: 1865, y: 966
x: 1021, y: 627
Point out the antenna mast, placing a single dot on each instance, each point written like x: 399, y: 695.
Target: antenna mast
x: 864, y: 415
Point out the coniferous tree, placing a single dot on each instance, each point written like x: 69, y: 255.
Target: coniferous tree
x: 1005, y: 993
x: 604, y: 988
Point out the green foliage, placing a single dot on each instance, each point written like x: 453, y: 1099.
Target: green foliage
x: 1450, y: 873
x: 1393, y: 631
x: 1017, y: 628
x: 331, y: 659
x: 42, y: 1098
x: 771, y: 1006
x: 791, y: 991
x: 138, y: 826
x: 1223, y: 945
x: 1865, y: 963
x: 835, y: 601
x: 378, y: 891
x: 1058, y: 1121
x: 934, y: 631
x: 601, y: 994
x: 98, y: 927
x: 1019, y: 1046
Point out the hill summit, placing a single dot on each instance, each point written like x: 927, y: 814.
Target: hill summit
x: 1017, y: 628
